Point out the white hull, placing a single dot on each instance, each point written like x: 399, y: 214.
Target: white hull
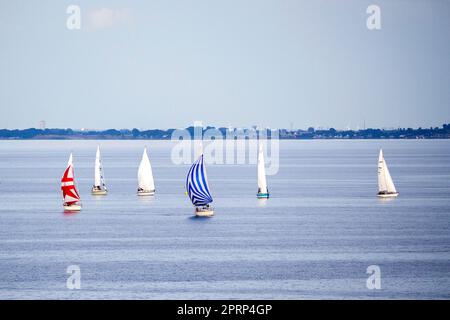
x: 73, y: 207
x: 201, y: 212
x: 146, y: 193
x: 387, y: 195
x: 99, y: 192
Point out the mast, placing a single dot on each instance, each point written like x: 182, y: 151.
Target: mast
x: 262, y: 182
x: 145, y: 173
x: 197, y: 184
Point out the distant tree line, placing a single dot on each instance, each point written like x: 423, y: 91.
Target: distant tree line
x: 400, y: 133
x: 157, y: 134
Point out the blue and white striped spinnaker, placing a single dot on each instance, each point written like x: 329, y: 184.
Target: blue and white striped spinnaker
x: 197, y: 184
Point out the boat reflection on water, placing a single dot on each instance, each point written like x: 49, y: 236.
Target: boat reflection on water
x: 386, y: 200
x: 262, y: 202
x: 68, y: 213
x: 146, y: 199
x: 199, y: 218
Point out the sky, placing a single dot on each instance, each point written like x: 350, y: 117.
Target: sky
x: 278, y: 63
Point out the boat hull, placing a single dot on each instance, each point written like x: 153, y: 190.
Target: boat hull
x: 99, y: 192
x: 73, y: 207
x: 262, y: 195
x: 146, y: 193
x: 204, y: 212
x: 387, y: 195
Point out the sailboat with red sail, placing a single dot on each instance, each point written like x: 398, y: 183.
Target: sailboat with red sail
x: 71, y: 198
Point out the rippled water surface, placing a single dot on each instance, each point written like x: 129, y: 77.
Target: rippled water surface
x: 314, y: 238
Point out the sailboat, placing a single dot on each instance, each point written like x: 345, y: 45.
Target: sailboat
x: 198, y: 190
x: 71, y: 198
x: 263, y: 192
x: 386, y: 188
x: 99, y: 187
x: 146, y: 184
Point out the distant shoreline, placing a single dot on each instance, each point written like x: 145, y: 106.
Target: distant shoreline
x: 161, y: 139
x: 284, y: 139
x: 283, y: 134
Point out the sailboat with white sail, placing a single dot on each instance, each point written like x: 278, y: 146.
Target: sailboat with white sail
x: 146, y: 184
x: 198, y: 190
x: 99, y: 187
x: 263, y: 192
x: 71, y: 198
x: 386, y: 187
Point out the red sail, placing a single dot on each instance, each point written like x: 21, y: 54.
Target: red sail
x: 70, y: 193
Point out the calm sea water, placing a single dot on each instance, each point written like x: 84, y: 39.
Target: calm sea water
x: 314, y: 238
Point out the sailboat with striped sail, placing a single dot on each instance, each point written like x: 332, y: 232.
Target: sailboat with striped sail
x: 146, y: 183
x: 71, y: 198
x: 99, y: 187
x: 198, y: 190
x: 386, y: 187
x: 263, y: 192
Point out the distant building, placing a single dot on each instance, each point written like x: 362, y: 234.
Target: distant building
x: 42, y: 125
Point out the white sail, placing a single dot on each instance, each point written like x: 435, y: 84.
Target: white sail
x: 385, y: 183
x: 145, y: 174
x: 262, y: 183
x: 99, y: 180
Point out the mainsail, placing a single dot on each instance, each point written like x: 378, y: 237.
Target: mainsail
x: 197, y: 184
x: 70, y: 193
x: 99, y: 180
x: 385, y: 183
x: 262, y: 183
x: 145, y: 174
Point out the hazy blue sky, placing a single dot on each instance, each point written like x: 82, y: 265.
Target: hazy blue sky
x: 166, y: 63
